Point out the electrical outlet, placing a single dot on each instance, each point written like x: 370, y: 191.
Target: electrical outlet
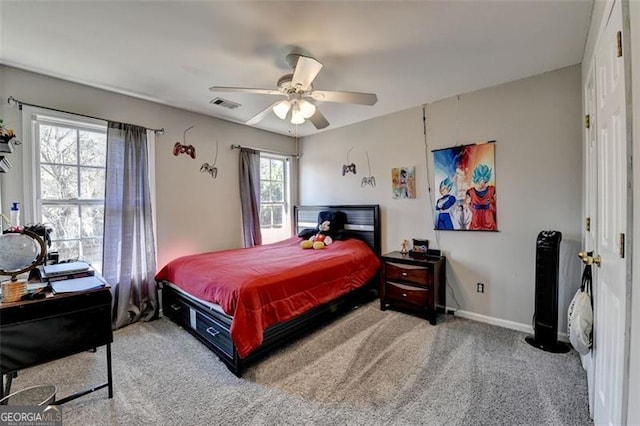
x: 480, y: 287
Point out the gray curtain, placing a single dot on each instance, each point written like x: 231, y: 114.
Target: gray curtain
x: 250, y: 196
x: 129, y: 260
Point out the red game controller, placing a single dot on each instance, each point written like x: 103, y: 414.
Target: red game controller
x: 190, y: 150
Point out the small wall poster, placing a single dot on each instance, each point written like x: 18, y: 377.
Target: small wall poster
x: 465, y: 188
x: 403, y: 182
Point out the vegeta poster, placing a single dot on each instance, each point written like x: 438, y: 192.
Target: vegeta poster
x: 465, y: 180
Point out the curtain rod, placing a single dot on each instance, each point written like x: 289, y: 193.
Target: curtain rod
x: 265, y: 150
x: 13, y: 101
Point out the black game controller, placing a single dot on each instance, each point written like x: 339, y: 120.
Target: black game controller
x: 348, y: 168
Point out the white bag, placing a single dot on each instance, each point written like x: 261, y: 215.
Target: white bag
x: 580, y: 316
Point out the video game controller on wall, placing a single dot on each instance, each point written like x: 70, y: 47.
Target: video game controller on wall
x: 206, y: 168
x: 348, y: 168
x: 368, y: 181
x: 190, y: 150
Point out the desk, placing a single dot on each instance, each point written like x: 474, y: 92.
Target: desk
x: 39, y: 331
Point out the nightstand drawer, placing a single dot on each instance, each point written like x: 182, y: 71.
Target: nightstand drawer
x: 408, y: 294
x: 415, y: 274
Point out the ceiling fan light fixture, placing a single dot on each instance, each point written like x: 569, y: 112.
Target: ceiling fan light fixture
x: 307, y: 108
x: 297, y: 96
x: 296, y: 115
x: 281, y: 109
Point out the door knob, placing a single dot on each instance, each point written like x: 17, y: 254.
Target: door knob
x: 583, y: 255
x: 590, y: 260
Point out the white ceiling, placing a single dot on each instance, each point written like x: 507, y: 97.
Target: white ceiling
x: 407, y: 52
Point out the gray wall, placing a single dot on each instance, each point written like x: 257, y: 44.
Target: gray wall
x: 195, y: 213
x: 536, y: 123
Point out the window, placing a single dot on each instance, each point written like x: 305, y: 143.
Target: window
x: 69, y: 177
x: 274, y: 198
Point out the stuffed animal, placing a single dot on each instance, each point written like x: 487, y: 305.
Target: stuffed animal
x: 306, y: 244
x: 330, y: 227
x: 319, y: 240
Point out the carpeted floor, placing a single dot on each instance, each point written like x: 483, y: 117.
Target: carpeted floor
x: 367, y: 368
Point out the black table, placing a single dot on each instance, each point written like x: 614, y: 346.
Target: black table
x: 39, y: 331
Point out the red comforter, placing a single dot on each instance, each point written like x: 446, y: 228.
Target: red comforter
x: 265, y: 285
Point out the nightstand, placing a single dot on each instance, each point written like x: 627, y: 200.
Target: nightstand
x: 413, y: 284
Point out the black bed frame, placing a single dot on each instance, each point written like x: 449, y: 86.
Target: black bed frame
x: 213, y: 328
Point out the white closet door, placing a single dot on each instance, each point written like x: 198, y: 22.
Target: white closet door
x: 610, y: 276
x: 590, y: 199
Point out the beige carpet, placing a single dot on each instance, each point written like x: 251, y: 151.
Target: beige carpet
x: 368, y: 367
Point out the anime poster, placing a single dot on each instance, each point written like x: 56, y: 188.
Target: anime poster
x: 403, y: 182
x: 465, y: 181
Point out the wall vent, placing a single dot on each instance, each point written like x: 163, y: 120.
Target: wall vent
x: 224, y: 103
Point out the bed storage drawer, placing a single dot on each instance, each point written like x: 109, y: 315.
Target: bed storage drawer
x: 202, y: 322
x: 175, y: 308
x: 214, y: 332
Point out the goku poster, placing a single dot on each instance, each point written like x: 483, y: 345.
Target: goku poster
x: 465, y: 181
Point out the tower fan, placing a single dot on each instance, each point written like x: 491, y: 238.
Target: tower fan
x: 546, y: 304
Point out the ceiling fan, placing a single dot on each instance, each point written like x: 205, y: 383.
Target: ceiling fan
x: 297, y: 88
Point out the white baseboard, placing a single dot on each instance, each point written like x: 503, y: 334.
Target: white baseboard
x: 563, y: 337
x: 512, y: 325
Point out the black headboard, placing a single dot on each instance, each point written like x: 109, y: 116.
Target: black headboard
x: 362, y: 220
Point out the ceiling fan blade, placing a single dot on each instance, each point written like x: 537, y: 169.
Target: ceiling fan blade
x: 345, y: 97
x: 245, y: 90
x: 318, y: 120
x: 262, y: 114
x: 306, y: 71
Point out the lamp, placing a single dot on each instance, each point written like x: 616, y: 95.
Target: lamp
x: 301, y: 109
x: 307, y: 108
x: 297, y: 116
x: 281, y: 109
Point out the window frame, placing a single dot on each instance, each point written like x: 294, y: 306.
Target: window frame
x: 33, y: 118
x: 286, y: 203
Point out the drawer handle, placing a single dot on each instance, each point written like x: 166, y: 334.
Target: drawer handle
x: 404, y: 294
x: 404, y: 274
x: 212, y: 331
x: 175, y: 307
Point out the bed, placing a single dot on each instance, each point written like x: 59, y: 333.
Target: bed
x: 244, y: 303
